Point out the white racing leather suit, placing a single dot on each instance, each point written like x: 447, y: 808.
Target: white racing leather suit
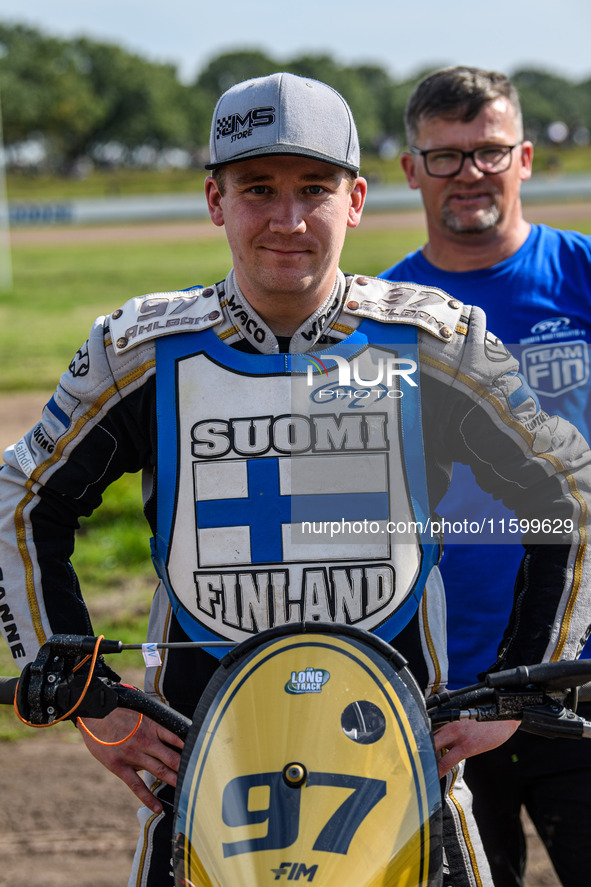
x: 243, y: 447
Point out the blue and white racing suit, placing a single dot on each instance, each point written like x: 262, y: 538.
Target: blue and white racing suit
x: 383, y: 388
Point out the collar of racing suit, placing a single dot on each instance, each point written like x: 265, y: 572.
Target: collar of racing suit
x: 321, y: 328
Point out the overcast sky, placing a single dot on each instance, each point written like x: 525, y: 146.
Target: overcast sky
x: 402, y: 37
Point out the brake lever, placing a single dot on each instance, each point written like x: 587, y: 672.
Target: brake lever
x: 538, y: 713
x: 488, y: 705
x: 554, y: 721
x: 49, y: 686
x: 44, y: 697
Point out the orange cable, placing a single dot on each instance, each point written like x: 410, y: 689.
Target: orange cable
x: 101, y: 741
x: 79, y: 720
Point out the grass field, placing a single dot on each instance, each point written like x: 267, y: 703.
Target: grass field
x: 58, y: 291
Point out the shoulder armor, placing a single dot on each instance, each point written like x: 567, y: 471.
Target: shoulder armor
x: 160, y: 314
x: 427, y: 307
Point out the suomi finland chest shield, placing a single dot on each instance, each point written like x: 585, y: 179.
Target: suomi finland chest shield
x: 291, y: 487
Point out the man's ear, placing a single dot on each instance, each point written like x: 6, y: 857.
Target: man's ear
x: 214, y: 201
x: 358, y: 195
x: 407, y: 162
x: 526, y: 160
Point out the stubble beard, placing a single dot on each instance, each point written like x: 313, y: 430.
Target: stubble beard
x: 484, y: 221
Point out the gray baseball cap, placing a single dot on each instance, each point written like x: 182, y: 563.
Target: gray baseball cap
x: 283, y: 114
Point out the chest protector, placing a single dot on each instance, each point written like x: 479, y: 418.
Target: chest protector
x: 291, y: 487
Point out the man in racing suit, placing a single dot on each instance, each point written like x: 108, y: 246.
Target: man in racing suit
x: 286, y: 395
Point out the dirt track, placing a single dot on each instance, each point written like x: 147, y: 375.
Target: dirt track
x: 66, y: 822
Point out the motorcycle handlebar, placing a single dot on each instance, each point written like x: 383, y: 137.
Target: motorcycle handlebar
x: 562, y: 675
x: 136, y: 700
x: 7, y: 690
x: 127, y: 697
x: 502, y: 695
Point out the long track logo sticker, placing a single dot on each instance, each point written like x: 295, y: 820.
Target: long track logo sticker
x: 311, y: 680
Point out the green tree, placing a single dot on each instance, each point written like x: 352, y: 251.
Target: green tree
x: 142, y: 103
x: 229, y: 68
x: 44, y: 91
x: 78, y: 94
x: 546, y: 97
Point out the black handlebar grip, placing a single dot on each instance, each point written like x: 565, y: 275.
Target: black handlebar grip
x: 7, y: 690
x: 561, y: 675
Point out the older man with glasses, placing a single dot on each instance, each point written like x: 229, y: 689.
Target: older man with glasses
x: 468, y: 157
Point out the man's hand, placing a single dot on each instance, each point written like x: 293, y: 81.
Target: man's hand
x: 148, y: 749
x: 462, y: 739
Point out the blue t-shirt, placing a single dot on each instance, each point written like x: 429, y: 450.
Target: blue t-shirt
x: 538, y: 302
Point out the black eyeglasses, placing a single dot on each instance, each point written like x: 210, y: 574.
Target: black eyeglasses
x: 444, y: 162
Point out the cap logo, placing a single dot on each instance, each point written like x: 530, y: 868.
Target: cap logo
x: 240, y: 126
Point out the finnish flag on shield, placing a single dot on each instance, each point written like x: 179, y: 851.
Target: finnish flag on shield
x: 285, y: 509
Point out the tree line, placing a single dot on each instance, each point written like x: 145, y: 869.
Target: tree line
x: 78, y: 96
